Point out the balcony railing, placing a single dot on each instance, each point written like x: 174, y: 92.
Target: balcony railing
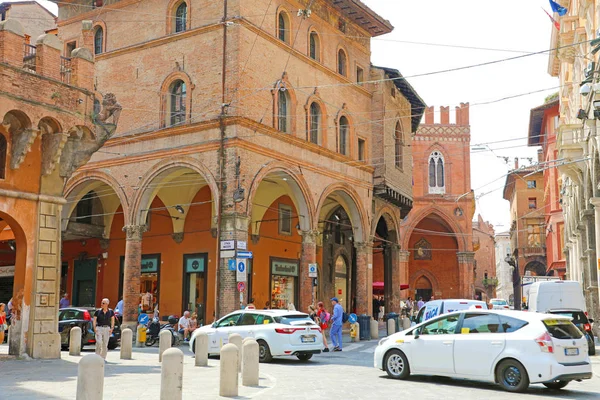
x: 65, y: 70
x: 29, y: 57
x: 490, y: 282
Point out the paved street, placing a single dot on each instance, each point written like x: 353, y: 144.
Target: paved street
x: 347, y: 375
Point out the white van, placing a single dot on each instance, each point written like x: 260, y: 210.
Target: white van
x: 544, y: 296
x: 438, y: 307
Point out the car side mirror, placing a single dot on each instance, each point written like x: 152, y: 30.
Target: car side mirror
x: 417, y: 333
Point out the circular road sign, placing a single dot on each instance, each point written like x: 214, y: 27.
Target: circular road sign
x: 352, y: 318
x: 241, y: 287
x: 241, y: 266
x: 143, y: 319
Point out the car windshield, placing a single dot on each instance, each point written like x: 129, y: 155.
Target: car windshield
x: 578, y: 316
x: 562, y: 329
x: 499, y: 302
x: 296, y: 319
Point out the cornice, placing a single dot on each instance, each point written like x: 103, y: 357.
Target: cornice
x: 96, y: 11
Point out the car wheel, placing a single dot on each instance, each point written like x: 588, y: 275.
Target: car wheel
x: 264, y: 353
x: 512, y: 376
x: 556, y: 385
x: 592, y: 351
x: 396, y: 364
x: 304, y: 356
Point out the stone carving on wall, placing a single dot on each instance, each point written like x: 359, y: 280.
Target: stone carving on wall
x: 110, y: 108
x: 52, y: 147
x: 423, y: 250
x: 21, y: 145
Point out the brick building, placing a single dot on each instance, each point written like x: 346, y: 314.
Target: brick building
x: 437, y: 238
x: 485, y: 259
x: 33, y: 17
x: 47, y: 131
x: 218, y: 151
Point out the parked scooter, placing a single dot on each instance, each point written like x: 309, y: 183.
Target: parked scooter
x: 154, y: 329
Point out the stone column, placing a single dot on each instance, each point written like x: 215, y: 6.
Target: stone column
x: 596, y: 261
x: 590, y: 266
x: 364, y: 278
x: 234, y: 226
x: 131, y: 274
x: 397, y: 295
x: 309, y: 256
x: 404, y: 269
x: 465, y: 274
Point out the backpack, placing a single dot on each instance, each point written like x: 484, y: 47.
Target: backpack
x: 324, y: 317
x: 344, y: 317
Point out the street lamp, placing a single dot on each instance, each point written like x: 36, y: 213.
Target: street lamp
x: 513, y: 261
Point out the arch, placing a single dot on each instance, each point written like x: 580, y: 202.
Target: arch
x: 392, y: 222
x: 161, y: 171
x: 16, y: 121
x: 172, y: 16
x: 49, y: 125
x: 343, y: 113
x: 350, y: 202
x: 342, y: 62
x: 536, y: 268
x: 314, y: 45
x: 167, y: 99
x: 436, y: 172
x: 434, y: 210
x: 296, y: 184
x: 283, y: 86
x: 423, y: 273
x: 283, y: 25
x: 98, y: 39
x: 81, y: 184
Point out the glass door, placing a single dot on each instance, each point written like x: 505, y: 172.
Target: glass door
x: 194, y: 285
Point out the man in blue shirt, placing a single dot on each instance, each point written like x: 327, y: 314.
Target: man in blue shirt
x: 64, y: 301
x: 336, y: 324
x: 119, y: 310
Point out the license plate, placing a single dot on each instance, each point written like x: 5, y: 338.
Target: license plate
x: 571, y: 352
x: 308, y: 339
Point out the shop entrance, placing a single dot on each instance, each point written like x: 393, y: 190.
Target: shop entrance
x: 284, y: 283
x: 341, y: 281
x: 194, y: 285
x: 84, y: 283
x: 424, y: 289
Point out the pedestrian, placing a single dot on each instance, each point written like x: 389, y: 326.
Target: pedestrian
x: 324, y: 318
x: 312, y: 313
x: 381, y: 308
x: 432, y: 297
x: 3, y: 326
x: 267, y: 305
x: 420, y: 303
x: 104, y: 324
x: 193, y: 323
x: 336, y: 324
x: 119, y: 310
x: 183, y: 326
x: 64, y: 301
x: 409, y: 306
x: 375, y: 307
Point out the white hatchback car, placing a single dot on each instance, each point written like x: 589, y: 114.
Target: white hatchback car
x: 512, y: 348
x: 278, y: 333
x: 499, y: 304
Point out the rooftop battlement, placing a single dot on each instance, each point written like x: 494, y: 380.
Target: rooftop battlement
x: 461, y: 115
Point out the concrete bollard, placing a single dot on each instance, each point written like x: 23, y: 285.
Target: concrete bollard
x: 75, y: 341
x: 90, y: 378
x: 250, y: 362
x: 201, y: 349
x: 171, y: 375
x: 374, y: 329
x: 391, y: 326
x: 236, y: 339
x: 405, y: 323
x: 228, y: 384
x: 164, y: 338
x: 126, y: 344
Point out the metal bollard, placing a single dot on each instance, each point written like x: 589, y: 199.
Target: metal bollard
x: 250, y: 362
x: 90, y: 378
x: 374, y: 329
x: 391, y: 326
x: 228, y: 385
x: 164, y: 338
x: 201, y: 349
x: 126, y: 344
x: 236, y: 339
x: 75, y: 341
x: 171, y: 375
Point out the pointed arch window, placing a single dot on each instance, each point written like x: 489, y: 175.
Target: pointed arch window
x: 178, y: 96
x: 283, y: 111
x: 437, y: 178
x: 3, y: 150
x: 344, y: 133
x: 342, y: 62
x: 315, y: 47
x: 99, y: 40
x: 283, y: 27
x: 181, y: 18
x: 315, y: 123
x: 399, y: 146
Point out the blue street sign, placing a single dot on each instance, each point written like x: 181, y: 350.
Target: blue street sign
x: 352, y: 318
x: 241, y: 267
x: 231, y: 264
x: 244, y: 254
x: 143, y: 319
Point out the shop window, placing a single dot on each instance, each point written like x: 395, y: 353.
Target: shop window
x: 399, y: 146
x: 99, y: 40
x: 315, y: 123
x: 85, y: 209
x: 194, y: 296
x: 177, y: 100
x: 283, y: 27
x: 532, y: 203
x: 315, y: 47
x: 437, y: 179
x: 3, y: 150
x: 149, y: 281
x: 342, y: 62
x: 285, y: 219
x: 181, y: 18
x: 344, y: 133
x: 361, y: 150
x: 283, y: 111
x: 531, y: 184
x: 284, y: 283
x: 360, y: 75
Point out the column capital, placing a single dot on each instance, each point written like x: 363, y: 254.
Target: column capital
x: 134, y: 232
x: 364, y: 246
x: 465, y: 257
x: 404, y: 255
x: 310, y: 237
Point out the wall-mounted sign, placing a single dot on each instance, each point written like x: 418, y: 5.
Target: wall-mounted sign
x: 227, y: 244
x: 284, y: 268
x: 194, y: 264
x: 242, y: 270
x: 242, y: 245
x: 312, y: 270
x: 228, y: 254
x: 7, y: 271
x: 149, y: 264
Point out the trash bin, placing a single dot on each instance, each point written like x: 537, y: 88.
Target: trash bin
x: 396, y: 319
x: 364, y: 322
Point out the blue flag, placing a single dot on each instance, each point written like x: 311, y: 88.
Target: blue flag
x: 557, y: 8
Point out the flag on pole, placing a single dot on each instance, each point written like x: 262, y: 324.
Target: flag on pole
x: 555, y: 22
x: 557, y: 8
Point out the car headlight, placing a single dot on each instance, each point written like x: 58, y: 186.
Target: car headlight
x: 382, y: 341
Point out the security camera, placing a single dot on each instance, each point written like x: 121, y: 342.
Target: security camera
x: 585, y: 89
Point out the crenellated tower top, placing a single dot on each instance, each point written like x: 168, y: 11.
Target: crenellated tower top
x: 461, y: 114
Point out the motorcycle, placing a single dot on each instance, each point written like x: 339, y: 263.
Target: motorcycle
x: 154, y: 328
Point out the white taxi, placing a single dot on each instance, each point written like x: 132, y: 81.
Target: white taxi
x: 511, y: 348
x: 278, y: 333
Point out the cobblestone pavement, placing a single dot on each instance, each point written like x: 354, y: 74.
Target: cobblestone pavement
x: 345, y: 375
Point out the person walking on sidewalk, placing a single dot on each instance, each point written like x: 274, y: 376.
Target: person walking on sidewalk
x: 104, y: 324
x: 3, y: 326
x: 336, y: 324
x: 324, y: 317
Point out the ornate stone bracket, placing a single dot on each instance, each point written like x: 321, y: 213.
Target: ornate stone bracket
x: 177, y: 237
x: 21, y: 145
x: 52, y: 147
x: 363, y: 247
x: 466, y: 257
x: 134, y: 232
